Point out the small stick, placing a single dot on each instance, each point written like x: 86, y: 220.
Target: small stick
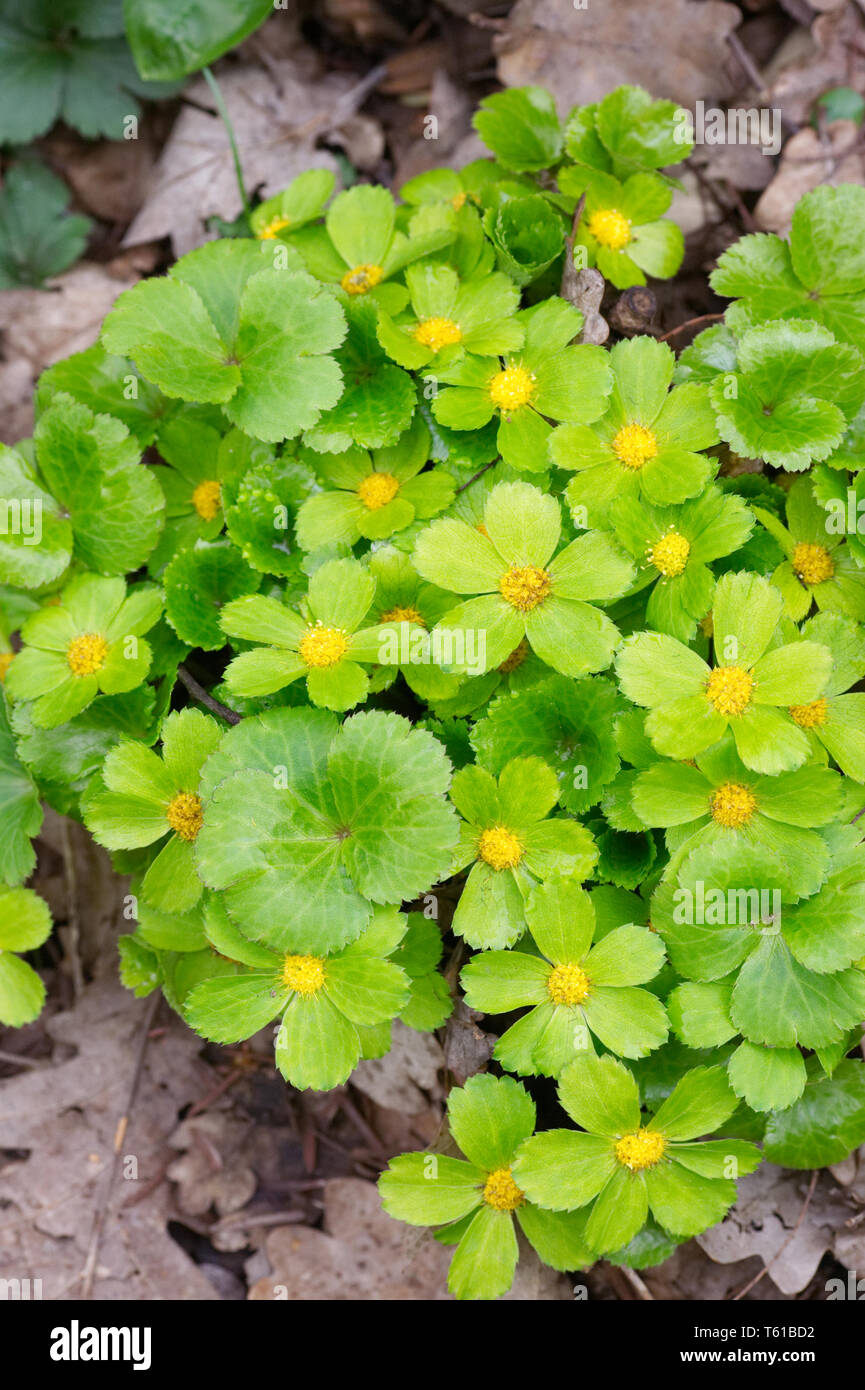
x: 765, y: 1270
x: 89, y: 1270
x: 199, y: 693
x: 689, y: 323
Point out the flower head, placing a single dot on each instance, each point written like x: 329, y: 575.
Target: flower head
x: 490, y: 1117
x: 90, y: 643
x: 621, y: 1166
x: 511, y: 844
x: 146, y: 799
x: 575, y: 989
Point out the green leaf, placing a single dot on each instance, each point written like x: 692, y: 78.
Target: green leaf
x: 193, y: 343
x: 767, y: 1078
x: 198, y: 583
x: 378, y: 401
x: 698, y: 1104
x: 36, y: 542
x: 68, y: 63
x: 485, y: 1259
x: 305, y: 823
x: 90, y: 464
x: 22, y: 993
x: 20, y: 811
x: 37, y: 238
x: 429, y: 1189
x: 601, y: 1094
x: 489, y: 1118
x: 168, y: 45
x: 825, y: 1125
x: 521, y: 128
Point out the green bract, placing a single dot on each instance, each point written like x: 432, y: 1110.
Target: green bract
x: 147, y: 799
x: 91, y: 643
x: 511, y: 844
x: 623, y: 231
x: 25, y: 923
x: 322, y: 1000
x: 360, y: 249
x: 576, y: 990
x: 523, y: 592
x: 627, y: 132
x: 324, y: 645
x: 754, y: 682
x: 448, y: 319
x: 303, y: 201
x: 819, y: 567
x: 674, y: 547
x: 373, y: 496
x: 645, y: 446
x: 718, y: 800
x: 549, y: 379
x: 476, y: 1199
x: 627, y: 1169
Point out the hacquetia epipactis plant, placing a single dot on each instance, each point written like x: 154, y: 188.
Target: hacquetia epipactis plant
x: 341, y: 569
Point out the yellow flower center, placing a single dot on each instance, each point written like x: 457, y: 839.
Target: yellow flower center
x: 270, y: 229
x: 322, y: 646
x: 732, y: 805
x: 6, y: 659
x: 501, y: 1192
x: 206, y: 499
x: 512, y: 388
x: 86, y: 654
x: 524, y: 586
x: 729, y: 689
x: 303, y: 974
x: 810, y: 716
x: 567, y: 984
x: 611, y: 228
x: 516, y: 658
x: 813, y: 563
x: 641, y: 1149
x: 500, y: 848
x: 402, y: 614
x: 634, y: 445
x: 377, y: 490
x: 458, y: 200
x: 185, y: 815
x: 670, y: 554
x: 361, y: 278
x: 437, y: 333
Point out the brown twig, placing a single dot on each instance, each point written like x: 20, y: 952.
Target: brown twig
x: 199, y: 693
x: 689, y: 323
x: 765, y: 1270
x: 89, y: 1270
x: 475, y: 476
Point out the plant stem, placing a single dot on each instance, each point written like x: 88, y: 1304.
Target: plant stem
x: 199, y: 693
x: 229, y: 128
